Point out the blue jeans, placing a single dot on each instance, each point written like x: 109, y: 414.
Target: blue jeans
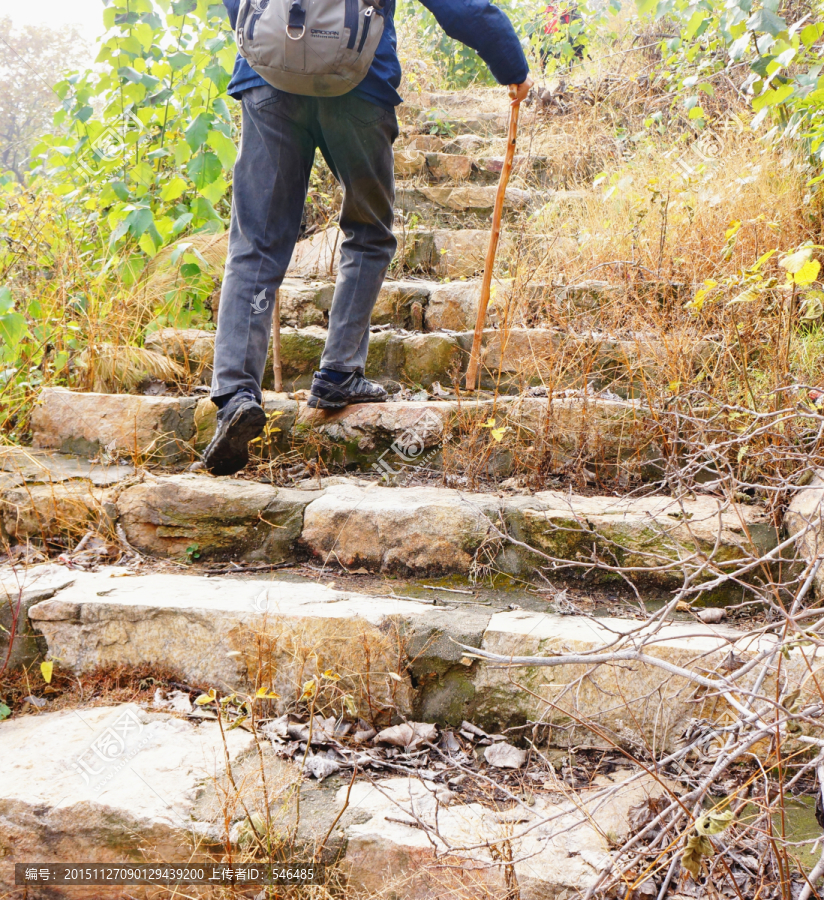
x: 277, y: 150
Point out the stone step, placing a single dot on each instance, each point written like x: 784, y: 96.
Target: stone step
x: 414, y: 530
x: 120, y: 785
x: 125, y: 785
x: 400, y: 440
x: 423, y: 305
x: 414, y: 160
x: 241, y: 634
x: 510, y: 360
x: 612, y: 438
x: 436, y: 253
x: 445, y: 205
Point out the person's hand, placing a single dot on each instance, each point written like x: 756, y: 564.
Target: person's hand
x: 518, y: 92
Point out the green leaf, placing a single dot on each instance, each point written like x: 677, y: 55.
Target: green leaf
x: 6, y: 300
x: 198, y: 131
x: 204, y: 169
x: 766, y: 20
x: 181, y: 223
x: 5, y: 712
x: 173, y: 189
x: 131, y: 74
x: 139, y: 220
x: 772, y: 97
x: 224, y: 147
x: 13, y: 328
x: 179, y: 60
x: 811, y: 33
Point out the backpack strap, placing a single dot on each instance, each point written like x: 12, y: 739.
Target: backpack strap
x: 297, y: 21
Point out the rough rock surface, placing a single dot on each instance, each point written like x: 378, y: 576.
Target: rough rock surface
x: 33, y: 466
x: 628, y: 703
x: 43, y: 511
x: 110, y: 784
x: 236, y: 634
x: 160, y: 429
x: 418, y: 529
x: 652, y: 533
x: 187, y: 514
x: 437, y: 853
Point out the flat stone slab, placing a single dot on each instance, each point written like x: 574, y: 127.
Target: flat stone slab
x: 158, y: 429
x: 510, y: 359
x: 109, y: 785
x: 653, y: 533
x: 239, y: 634
x: 44, y: 494
x: 455, y: 201
x: 40, y: 512
x: 396, y: 654
x: 303, y: 302
x: 33, y: 466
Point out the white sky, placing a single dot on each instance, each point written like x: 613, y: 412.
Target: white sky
x: 86, y: 14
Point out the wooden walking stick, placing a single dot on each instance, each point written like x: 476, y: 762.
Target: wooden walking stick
x: 276, y: 344
x: 472, y: 373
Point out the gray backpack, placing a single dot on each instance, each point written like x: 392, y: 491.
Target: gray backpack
x: 319, y: 48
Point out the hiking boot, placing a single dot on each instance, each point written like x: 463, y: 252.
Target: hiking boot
x: 356, y: 389
x: 240, y: 421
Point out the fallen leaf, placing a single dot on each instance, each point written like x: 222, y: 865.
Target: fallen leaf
x: 320, y: 767
x: 504, y: 756
x: 409, y: 736
x: 711, y: 616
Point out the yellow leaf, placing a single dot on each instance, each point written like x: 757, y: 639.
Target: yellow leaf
x: 498, y: 433
x: 732, y: 231
x: 237, y: 723
x: 762, y: 259
x: 203, y: 699
x: 808, y: 273
x: 331, y: 676
x: 265, y: 694
x: 309, y: 689
x: 46, y: 669
x: 794, y: 262
x: 714, y: 823
x: 490, y: 423
x: 753, y: 292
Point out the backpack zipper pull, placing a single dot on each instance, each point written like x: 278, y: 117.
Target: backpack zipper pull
x: 370, y: 11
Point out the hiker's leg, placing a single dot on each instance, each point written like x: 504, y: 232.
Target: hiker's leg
x: 271, y: 179
x: 356, y: 139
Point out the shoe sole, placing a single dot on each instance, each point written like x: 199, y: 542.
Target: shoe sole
x: 320, y: 403
x: 231, y: 454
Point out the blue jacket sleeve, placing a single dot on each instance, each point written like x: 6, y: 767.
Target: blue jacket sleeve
x: 488, y: 31
x: 233, y: 8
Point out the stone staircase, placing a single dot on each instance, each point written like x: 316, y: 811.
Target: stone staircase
x: 422, y: 498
